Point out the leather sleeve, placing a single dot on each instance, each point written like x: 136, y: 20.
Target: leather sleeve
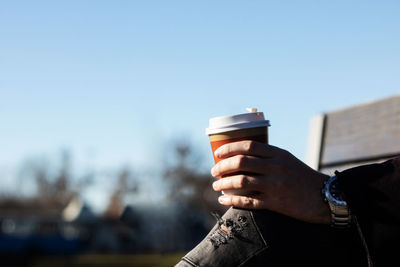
x: 373, y: 191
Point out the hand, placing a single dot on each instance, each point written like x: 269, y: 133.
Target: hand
x: 283, y: 183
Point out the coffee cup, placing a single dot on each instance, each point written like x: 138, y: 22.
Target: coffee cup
x: 227, y: 129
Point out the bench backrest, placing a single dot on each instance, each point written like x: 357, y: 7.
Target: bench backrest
x: 354, y: 136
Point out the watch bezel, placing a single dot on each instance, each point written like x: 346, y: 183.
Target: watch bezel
x: 330, y: 196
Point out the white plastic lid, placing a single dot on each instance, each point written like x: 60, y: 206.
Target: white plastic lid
x: 236, y: 122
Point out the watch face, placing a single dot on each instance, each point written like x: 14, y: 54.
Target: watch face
x: 335, y: 191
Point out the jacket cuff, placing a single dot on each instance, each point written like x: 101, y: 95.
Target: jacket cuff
x: 363, y: 191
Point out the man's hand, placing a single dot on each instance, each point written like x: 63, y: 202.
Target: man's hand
x: 283, y: 183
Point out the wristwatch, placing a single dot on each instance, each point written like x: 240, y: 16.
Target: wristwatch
x: 340, y: 212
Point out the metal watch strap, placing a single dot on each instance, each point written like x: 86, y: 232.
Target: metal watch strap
x: 340, y: 216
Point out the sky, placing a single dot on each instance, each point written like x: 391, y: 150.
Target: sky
x: 115, y: 81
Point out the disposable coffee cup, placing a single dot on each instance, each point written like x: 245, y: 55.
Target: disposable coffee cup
x: 228, y: 129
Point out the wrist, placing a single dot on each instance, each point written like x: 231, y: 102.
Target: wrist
x: 325, y: 212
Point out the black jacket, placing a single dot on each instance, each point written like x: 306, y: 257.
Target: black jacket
x: 373, y: 194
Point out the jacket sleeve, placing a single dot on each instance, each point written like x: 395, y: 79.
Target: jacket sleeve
x: 373, y: 191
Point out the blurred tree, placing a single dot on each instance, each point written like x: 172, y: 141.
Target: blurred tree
x: 52, y: 184
x: 126, y: 184
x: 192, y: 197
x: 188, y: 182
x: 58, y: 188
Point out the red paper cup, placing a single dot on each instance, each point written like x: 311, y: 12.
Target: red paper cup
x: 228, y: 129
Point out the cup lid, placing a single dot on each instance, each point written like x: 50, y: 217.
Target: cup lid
x: 236, y: 122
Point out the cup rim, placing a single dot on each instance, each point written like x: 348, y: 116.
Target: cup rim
x: 236, y: 122
x: 239, y: 126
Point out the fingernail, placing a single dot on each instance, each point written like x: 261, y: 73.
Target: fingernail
x: 215, y: 185
x: 213, y: 172
x: 222, y: 199
x: 217, y: 153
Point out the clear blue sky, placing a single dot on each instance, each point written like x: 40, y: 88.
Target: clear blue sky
x: 115, y: 80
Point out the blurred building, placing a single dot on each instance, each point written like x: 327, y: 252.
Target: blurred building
x: 31, y: 227
x: 357, y: 135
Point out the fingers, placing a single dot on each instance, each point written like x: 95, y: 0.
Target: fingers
x: 248, y: 183
x: 239, y: 163
x: 247, y: 147
x: 241, y: 202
